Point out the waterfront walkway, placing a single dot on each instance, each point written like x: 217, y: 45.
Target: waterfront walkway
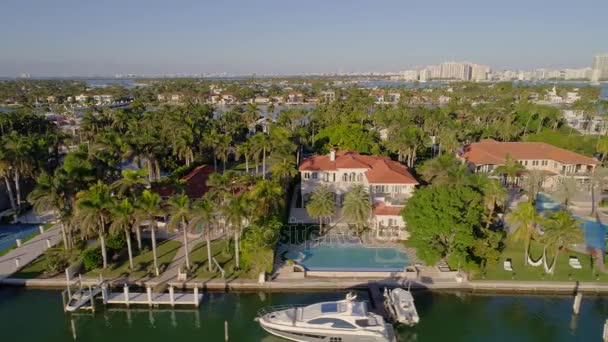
x: 28, y: 251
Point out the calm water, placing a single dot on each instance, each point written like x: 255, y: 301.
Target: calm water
x: 35, y: 315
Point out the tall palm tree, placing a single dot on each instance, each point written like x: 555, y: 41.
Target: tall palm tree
x: 284, y: 171
x: 17, y: 149
x: 494, y: 195
x: 92, y: 212
x: 560, y: 230
x: 202, y: 215
x: 262, y: 144
x: 524, y: 214
x: 357, y: 207
x: 533, y: 183
x: 322, y: 205
x: 235, y: 212
x: 566, y: 189
x: 244, y: 150
x: 5, y: 173
x: 122, y: 222
x: 131, y: 184
x: 179, y: 209
x: 50, y: 194
x: 267, y: 198
x: 147, y: 207
x: 509, y: 169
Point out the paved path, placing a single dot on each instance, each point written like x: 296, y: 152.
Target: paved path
x: 28, y: 251
x: 178, y: 261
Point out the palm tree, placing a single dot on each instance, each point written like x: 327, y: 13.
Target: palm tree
x: 131, y: 184
x: 509, y: 169
x: 566, y: 189
x: 533, y: 183
x: 322, y: 205
x: 17, y: 149
x: 122, y: 221
x: 524, y: 214
x: 202, y: 215
x: 267, y: 197
x: 494, y: 195
x: 262, y: 144
x: 179, y: 209
x: 284, y: 171
x: 92, y: 212
x: 357, y: 206
x: 5, y: 173
x: 560, y: 230
x: 235, y: 213
x: 244, y: 150
x: 49, y: 194
x: 147, y: 207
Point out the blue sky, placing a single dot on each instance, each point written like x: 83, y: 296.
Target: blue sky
x: 86, y: 37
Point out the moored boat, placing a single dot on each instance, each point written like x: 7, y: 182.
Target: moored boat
x: 400, y: 305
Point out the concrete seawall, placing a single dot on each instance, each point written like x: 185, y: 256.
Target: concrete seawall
x: 338, y: 284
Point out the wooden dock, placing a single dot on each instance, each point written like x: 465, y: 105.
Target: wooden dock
x: 151, y: 299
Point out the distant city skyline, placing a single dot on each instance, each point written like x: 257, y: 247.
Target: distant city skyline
x: 81, y: 38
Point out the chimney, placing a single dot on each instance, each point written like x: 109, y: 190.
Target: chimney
x: 332, y: 154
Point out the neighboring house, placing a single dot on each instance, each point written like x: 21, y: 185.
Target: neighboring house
x: 328, y: 96
x: 394, y: 97
x: 82, y: 98
x: 194, y: 184
x: 378, y: 96
x: 444, y: 99
x: 388, y: 182
x: 586, y: 125
x: 103, y: 99
x: 295, y: 98
x: 485, y: 156
x: 261, y: 100
x: 227, y: 99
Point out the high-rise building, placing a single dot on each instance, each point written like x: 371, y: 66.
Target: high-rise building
x: 410, y: 75
x: 454, y: 70
x: 425, y: 75
x: 479, y: 72
x: 577, y: 74
x: 600, y: 68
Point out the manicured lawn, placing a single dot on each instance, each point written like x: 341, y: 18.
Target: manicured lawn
x: 144, y: 264
x: 563, y: 271
x: 38, y: 267
x: 219, y: 248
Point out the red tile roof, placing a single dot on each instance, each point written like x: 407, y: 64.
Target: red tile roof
x: 495, y: 153
x: 381, y: 208
x: 380, y: 169
x: 196, y: 183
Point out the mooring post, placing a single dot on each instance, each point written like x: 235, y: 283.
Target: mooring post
x: 48, y: 243
x: 41, y: 229
x: 104, y: 293
x: 67, y: 278
x: 126, y: 289
x: 196, y: 302
x: 64, y: 301
x: 576, y: 307
x: 605, y: 333
x: 17, y: 262
x: 149, y: 292
x: 172, y: 295
x: 225, y: 330
x: 92, y: 298
x: 18, y: 241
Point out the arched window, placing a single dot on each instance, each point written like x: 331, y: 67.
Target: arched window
x: 344, y: 177
x: 360, y: 177
x: 352, y: 177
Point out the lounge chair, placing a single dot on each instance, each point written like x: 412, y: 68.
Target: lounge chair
x: 575, y: 263
x: 507, y: 265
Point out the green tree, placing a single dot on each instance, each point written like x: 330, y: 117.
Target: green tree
x: 509, y: 170
x: 357, y: 207
x: 50, y: 194
x: 322, y: 205
x: 92, y: 212
x: 131, y: 184
x: 560, y: 230
x: 122, y: 222
x: 179, y: 209
x: 267, y: 198
x: 202, y: 215
x: 525, y: 215
x: 566, y: 189
x: 444, y: 223
x: 147, y: 207
x: 235, y: 212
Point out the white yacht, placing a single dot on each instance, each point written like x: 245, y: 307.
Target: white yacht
x: 400, y: 305
x: 82, y: 298
x: 341, y: 321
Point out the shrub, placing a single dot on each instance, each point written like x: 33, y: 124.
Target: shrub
x: 92, y: 258
x: 116, y: 242
x: 55, y: 263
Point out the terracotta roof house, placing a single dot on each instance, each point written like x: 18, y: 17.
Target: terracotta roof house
x: 389, y: 184
x: 194, y: 183
x: 555, y: 162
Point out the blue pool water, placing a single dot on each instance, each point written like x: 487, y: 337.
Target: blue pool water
x: 351, y: 257
x: 595, y: 232
x: 9, y: 233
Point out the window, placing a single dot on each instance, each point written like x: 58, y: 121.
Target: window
x: 545, y: 163
x: 314, y: 175
x: 344, y: 177
x: 391, y: 222
x: 335, y: 323
x: 526, y: 163
x: 335, y: 339
x: 334, y: 176
x: 360, y: 177
x: 326, y: 176
x: 306, y: 175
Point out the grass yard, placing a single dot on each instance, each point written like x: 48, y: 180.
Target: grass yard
x: 144, y: 264
x: 219, y: 249
x: 39, y: 267
x: 563, y: 271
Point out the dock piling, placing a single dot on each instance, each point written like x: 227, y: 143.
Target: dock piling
x: 196, y: 302
x: 126, y: 290
x: 576, y: 307
x: 172, y: 295
x: 605, y: 333
x: 149, y: 292
x: 17, y: 263
x: 225, y: 330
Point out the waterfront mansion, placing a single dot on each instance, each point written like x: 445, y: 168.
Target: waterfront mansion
x: 554, y: 162
x: 388, y: 182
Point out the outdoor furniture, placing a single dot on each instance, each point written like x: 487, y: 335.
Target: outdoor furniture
x: 507, y: 265
x: 575, y: 263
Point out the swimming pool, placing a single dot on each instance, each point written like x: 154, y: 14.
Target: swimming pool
x: 9, y: 233
x: 350, y: 257
x: 595, y: 232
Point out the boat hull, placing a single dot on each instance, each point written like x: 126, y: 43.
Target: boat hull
x: 318, y: 336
